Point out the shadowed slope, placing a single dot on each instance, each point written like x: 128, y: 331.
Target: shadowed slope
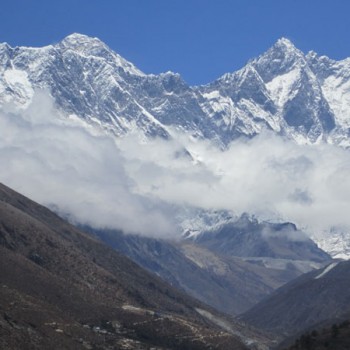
x: 61, y: 288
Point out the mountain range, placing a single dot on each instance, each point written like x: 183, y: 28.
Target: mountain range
x: 304, y: 97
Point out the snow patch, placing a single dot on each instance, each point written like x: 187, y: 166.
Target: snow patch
x: 218, y: 321
x: 336, y: 242
x: 326, y: 270
x: 280, y: 88
x: 225, y: 326
x: 212, y: 94
x: 17, y: 80
x: 337, y: 93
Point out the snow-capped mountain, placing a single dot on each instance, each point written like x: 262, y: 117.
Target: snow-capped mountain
x: 278, y: 91
x: 90, y: 81
x: 305, y: 97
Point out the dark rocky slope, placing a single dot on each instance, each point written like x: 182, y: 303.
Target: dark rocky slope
x: 60, y: 288
x: 320, y: 296
x: 230, y: 283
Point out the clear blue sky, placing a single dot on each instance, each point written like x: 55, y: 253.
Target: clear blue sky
x: 200, y: 39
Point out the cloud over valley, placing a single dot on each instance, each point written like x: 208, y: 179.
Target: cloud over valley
x: 128, y: 184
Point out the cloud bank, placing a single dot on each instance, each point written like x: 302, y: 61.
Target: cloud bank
x: 134, y: 186
x: 78, y: 171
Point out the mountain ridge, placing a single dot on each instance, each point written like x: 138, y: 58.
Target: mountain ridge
x: 122, y: 97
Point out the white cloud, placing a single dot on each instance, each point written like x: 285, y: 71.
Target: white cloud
x: 268, y: 176
x: 59, y: 163
x: 124, y: 184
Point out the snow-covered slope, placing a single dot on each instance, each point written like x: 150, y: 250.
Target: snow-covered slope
x: 336, y: 242
x: 90, y: 81
x: 278, y: 91
x: 303, y: 97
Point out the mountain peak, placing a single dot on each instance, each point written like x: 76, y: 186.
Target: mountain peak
x: 285, y: 43
x: 91, y: 46
x: 281, y: 58
x: 77, y: 41
x: 283, y: 51
x: 78, y: 36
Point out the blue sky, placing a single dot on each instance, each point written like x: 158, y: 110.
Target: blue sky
x: 200, y: 39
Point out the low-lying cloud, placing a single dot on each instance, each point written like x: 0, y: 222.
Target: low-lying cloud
x: 124, y: 184
x: 79, y: 171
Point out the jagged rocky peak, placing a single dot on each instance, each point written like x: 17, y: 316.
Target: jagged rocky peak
x: 82, y: 43
x: 285, y: 49
x: 4, y: 46
x: 319, y: 64
x: 92, y: 46
x: 280, y: 59
x: 172, y: 82
x: 246, y: 78
x: 312, y: 55
x: 324, y: 67
x: 4, y: 55
x: 285, y: 44
x: 248, y: 73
